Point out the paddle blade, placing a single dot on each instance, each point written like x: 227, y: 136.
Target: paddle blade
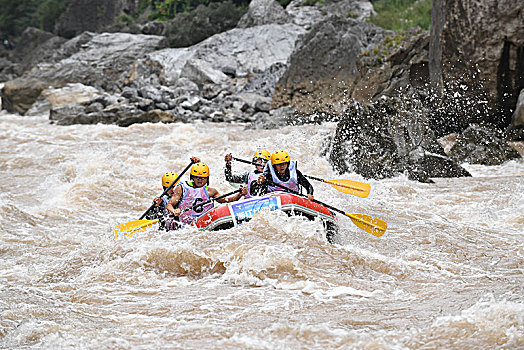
x: 369, y: 224
x: 356, y: 188
x: 133, y: 226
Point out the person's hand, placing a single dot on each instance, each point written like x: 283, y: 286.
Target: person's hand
x: 310, y: 197
x: 261, y: 178
x: 243, y: 191
x: 157, y: 201
x: 195, y: 159
x: 177, y: 212
x: 228, y: 158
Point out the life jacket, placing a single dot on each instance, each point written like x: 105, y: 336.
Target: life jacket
x: 253, y: 177
x: 190, y: 197
x: 291, y: 183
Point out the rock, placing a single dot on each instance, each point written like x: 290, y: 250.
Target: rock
x: 71, y: 94
x: 515, y: 130
x: 129, y: 92
x: 40, y: 107
x: 153, y: 116
x: 484, y: 55
x: 264, y: 83
x: 388, y: 138
x: 255, y: 101
x: 272, y: 120
x: 307, y: 16
x: 482, y: 145
x: 359, y: 9
x: 154, y: 28
x: 94, y: 107
x: 19, y: 95
x: 324, y: 67
x: 99, y: 62
x: 202, y: 72
x: 8, y: 69
x: 262, y: 12
x: 242, y: 50
x: 69, y: 114
x: 193, y: 103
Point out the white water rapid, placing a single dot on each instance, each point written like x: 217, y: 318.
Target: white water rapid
x: 448, y: 273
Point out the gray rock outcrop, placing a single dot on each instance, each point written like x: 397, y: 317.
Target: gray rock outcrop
x: 477, y: 53
x: 264, y: 12
x: 388, y: 138
x: 324, y: 68
x: 96, y: 60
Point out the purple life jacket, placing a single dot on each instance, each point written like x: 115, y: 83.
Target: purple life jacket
x: 190, y: 197
x: 292, y: 183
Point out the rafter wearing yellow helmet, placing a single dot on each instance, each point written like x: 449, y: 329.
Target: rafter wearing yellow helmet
x: 261, y: 157
x: 186, y: 197
x: 283, y: 172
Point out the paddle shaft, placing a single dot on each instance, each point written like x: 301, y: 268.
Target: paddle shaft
x: 313, y: 200
x: 244, y: 161
x: 167, y: 189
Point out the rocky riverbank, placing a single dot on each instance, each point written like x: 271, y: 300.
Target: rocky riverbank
x: 299, y: 64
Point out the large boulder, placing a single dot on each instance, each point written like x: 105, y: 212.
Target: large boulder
x: 264, y: 12
x: 324, y: 68
x: 19, y: 95
x: 482, y: 145
x: 387, y: 138
x: 476, y: 58
x: 237, y: 52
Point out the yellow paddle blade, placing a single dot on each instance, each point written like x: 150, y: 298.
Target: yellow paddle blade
x: 133, y: 226
x: 369, y: 224
x: 356, y: 188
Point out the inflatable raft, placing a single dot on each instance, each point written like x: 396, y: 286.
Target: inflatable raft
x: 232, y: 214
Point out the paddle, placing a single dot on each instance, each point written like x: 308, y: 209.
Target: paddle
x: 142, y: 225
x: 167, y: 189
x: 129, y: 228
x: 356, y: 188
x: 365, y: 222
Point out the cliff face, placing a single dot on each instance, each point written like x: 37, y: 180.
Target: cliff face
x: 93, y: 15
x: 479, y: 44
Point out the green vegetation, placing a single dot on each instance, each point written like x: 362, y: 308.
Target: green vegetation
x: 400, y: 15
x: 16, y: 16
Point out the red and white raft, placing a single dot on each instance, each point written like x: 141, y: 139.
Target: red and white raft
x: 229, y: 215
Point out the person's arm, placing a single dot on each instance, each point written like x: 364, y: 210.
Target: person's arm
x: 177, y: 195
x: 302, y: 181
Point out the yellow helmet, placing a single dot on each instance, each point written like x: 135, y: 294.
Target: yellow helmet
x: 262, y: 154
x: 200, y: 170
x: 168, y: 178
x: 279, y: 157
